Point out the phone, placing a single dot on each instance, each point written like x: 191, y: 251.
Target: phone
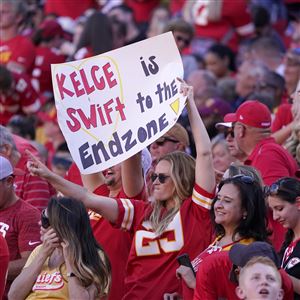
x: 44, y: 220
x: 184, y: 260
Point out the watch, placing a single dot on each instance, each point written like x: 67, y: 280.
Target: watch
x: 71, y: 274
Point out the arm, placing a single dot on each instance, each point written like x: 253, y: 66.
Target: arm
x: 22, y: 285
x: 132, y: 175
x: 283, y: 134
x: 15, y: 266
x: 205, y: 175
x: 105, y: 206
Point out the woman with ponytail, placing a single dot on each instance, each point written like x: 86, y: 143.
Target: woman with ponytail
x: 69, y: 264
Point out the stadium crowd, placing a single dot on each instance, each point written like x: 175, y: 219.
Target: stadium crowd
x: 210, y: 210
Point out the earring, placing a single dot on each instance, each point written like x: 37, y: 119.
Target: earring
x: 244, y: 217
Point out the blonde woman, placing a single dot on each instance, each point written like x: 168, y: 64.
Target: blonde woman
x: 177, y: 222
x: 69, y: 264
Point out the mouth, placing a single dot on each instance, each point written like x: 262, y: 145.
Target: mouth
x: 109, y: 173
x: 219, y: 213
x: 264, y: 292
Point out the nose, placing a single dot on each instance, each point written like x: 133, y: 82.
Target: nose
x: 275, y: 215
x: 153, y: 146
x: 219, y: 204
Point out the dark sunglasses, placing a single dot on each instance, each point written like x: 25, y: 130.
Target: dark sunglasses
x: 161, y: 141
x: 44, y: 219
x: 182, y: 39
x: 243, y: 178
x: 161, y: 177
x: 229, y: 132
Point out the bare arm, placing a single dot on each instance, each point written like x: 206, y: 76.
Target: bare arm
x: 205, y: 175
x: 132, y: 175
x: 15, y: 266
x: 105, y: 206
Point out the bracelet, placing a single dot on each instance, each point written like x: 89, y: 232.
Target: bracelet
x: 71, y: 274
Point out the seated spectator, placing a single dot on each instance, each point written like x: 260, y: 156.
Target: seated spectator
x: 18, y: 222
x: 219, y: 59
x: 259, y: 279
x: 17, y: 95
x: 69, y: 255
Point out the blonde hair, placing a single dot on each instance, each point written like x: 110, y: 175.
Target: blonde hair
x: 182, y: 173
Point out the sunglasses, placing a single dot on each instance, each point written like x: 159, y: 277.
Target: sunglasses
x: 243, y: 178
x: 161, y: 177
x: 229, y: 132
x: 182, y: 39
x: 44, y: 219
x: 161, y: 141
x: 276, y: 188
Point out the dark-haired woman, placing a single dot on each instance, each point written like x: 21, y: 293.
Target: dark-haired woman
x: 219, y: 59
x: 284, y: 200
x: 239, y: 214
x: 69, y: 264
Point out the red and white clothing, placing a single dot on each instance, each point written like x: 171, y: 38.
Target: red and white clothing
x: 18, y: 49
x: 273, y: 162
x: 104, y: 232
x: 19, y: 226
x: 41, y: 74
x: 151, y: 268
x: 23, y: 99
x: 4, y: 259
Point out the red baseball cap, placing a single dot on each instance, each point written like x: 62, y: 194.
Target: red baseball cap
x: 252, y: 113
x: 50, y: 29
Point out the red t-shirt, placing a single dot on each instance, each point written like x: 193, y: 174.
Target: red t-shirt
x: 41, y: 74
x: 142, y: 9
x: 23, y: 99
x: 273, y: 162
x: 283, y: 116
x: 213, y: 282
x: 117, y: 251
x: 73, y: 175
x: 151, y: 267
x: 4, y: 259
x: 18, y: 49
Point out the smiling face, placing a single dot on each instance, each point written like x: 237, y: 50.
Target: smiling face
x: 228, y: 207
x: 113, y: 176
x: 286, y: 213
x: 259, y: 281
x: 164, y: 191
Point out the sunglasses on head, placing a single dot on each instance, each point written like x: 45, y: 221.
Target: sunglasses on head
x: 161, y: 141
x: 276, y: 188
x: 184, y: 40
x: 243, y: 178
x: 161, y: 177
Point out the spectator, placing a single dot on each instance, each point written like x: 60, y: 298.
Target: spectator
x: 4, y: 259
x: 17, y: 95
x: 219, y: 59
x: 173, y: 208
x: 252, y: 135
x: 283, y: 198
x: 18, y: 223
x: 292, y: 70
x: 69, y: 255
x: 16, y: 51
x: 160, y: 16
x: 259, y: 279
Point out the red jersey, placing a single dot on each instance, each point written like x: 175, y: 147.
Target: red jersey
x: 23, y: 99
x: 151, y: 267
x: 142, y: 9
x: 283, y: 116
x: 213, y: 282
x: 234, y: 21
x: 4, y: 259
x: 41, y: 74
x: 103, y: 231
x: 18, y: 49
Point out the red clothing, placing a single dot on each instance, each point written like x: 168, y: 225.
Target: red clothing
x: 69, y: 8
x: 235, y: 21
x: 22, y: 100
x: 103, y: 232
x: 73, y: 175
x: 283, y: 116
x: 19, y: 226
x: 142, y: 9
x: 19, y: 49
x: 41, y: 74
x: 273, y: 162
x: 152, y: 261
x: 213, y: 282
x: 4, y: 259
x: 32, y: 189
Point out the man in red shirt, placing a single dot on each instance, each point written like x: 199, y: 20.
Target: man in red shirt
x: 16, y: 51
x: 252, y: 133
x: 18, y: 222
x: 17, y: 95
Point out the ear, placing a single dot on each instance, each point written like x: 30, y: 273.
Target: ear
x: 240, y: 293
x: 280, y: 294
x: 6, y: 150
x: 180, y: 147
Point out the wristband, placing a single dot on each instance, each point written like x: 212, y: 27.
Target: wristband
x: 71, y: 274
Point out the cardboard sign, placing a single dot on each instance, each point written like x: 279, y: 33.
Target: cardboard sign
x: 113, y: 105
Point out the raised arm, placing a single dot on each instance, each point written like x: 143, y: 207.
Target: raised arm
x: 205, y: 175
x: 105, y: 206
x: 132, y: 175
